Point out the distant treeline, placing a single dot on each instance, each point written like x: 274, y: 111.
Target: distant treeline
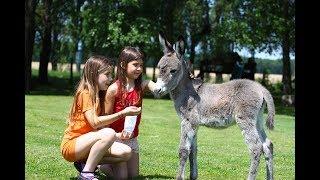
x: 272, y: 66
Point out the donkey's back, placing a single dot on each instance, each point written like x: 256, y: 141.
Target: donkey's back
x: 221, y: 104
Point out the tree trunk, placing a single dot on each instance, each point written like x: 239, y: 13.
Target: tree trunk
x: 78, y: 24
x: 169, y: 6
x: 219, y: 78
x: 54, y: 58
x: 46, y: 44
x: 30, y: 6
x: 286, y: 70
x: 154, y: 71
x: 192, y: 53
x: 206, y: 29
x: 71, y: 71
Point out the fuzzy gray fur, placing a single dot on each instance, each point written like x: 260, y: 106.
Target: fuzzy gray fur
x: 215, y: 105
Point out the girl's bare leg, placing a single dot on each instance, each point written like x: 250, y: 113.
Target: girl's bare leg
x: 133, y: 165
x: 119, y: 153
x: 93, y: 147
x: 120, y: 171
x: 123, y: 170
x: 107, y: 169
x: 116, y: 170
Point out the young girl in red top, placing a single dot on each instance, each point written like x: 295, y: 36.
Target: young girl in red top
x: 85, y: 139
x: 127, y: 91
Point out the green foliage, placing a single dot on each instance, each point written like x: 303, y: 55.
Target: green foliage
x: 272, y: 66
x: 212, y: 27
x: 107, y: 26
x: 274, y: 88
x: 257, y: 25
x: 222, y: 154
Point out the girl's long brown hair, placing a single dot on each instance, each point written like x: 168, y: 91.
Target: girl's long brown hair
x: 94, y: 66
x: 127, y: 55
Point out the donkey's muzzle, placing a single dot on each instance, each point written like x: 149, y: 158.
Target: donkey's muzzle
x: 160, y: 88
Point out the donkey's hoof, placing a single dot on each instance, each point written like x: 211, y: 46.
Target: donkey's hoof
x: 179, y: 177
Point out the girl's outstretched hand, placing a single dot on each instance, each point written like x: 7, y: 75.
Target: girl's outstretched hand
x: 132, y: 110
x: 124, y: 135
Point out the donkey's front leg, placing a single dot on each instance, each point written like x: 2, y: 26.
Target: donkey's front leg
x: 193, y: 158
x: 187, y: 135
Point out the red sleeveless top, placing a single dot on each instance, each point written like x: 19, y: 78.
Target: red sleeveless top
x: 131, y: 99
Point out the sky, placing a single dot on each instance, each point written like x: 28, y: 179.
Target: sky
x: 275, y: 55
x: 264, y: 55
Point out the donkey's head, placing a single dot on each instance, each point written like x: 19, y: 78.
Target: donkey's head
x: 172, y: 66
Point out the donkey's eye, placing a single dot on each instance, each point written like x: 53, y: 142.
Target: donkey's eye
x: 173, y: 71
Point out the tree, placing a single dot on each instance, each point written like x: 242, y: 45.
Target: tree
x: 261, y: 25
x: 109, y: 26
x: 76, y: 25
x: 30, y: 7
x: 46, y: 42
x: 58, y: 18
x: 287, y: 43
x: 275, y: 19
x: 220, y: 36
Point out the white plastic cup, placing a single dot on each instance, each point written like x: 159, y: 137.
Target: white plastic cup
x: 129, y: 123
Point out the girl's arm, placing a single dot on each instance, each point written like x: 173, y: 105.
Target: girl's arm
x: 150, y: 85
x: 101, y: 121
x: 110, y: 98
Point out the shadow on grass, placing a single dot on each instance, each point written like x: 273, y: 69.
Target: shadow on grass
x: 156, y: 176
x: 58, y: 84
x: 98, y: 175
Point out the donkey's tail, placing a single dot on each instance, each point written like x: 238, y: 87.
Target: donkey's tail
x: 271, y: 110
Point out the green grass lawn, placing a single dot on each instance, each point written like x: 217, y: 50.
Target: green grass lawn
x: 222, y: 153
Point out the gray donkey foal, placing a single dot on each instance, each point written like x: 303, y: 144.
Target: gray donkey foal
x: 214, y: 105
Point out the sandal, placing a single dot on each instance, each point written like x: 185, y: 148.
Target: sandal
x: 82, y: 177
x: 79, y: 165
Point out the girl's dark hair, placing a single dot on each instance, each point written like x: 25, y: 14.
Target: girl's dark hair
x: 127, y: 55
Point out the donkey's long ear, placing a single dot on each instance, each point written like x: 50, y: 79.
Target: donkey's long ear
x: 180, y: 46
x: 166, y: 46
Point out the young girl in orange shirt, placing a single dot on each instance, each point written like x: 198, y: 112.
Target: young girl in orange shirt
x: 86, y: 139
x: 125, y: 92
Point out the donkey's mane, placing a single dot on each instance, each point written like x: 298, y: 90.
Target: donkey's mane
x: 196, y: 82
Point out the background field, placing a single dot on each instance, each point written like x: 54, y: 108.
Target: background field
x: 222, y: 154
x: 64, y: 68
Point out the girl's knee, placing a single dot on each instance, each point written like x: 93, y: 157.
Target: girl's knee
x: 126, y: 153
x: 107, y: 133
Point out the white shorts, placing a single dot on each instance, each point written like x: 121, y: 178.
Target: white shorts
x: 132, y: 143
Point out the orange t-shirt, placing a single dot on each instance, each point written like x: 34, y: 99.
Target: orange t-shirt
x: 78, y: 124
